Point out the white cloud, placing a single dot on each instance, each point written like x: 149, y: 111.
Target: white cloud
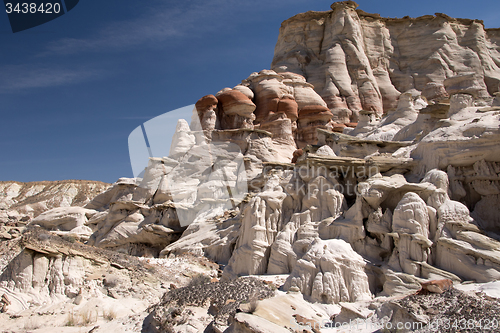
x: 162, y: 20
x: 136, y: 118
x: 17, y: 77
x: 155, y: 25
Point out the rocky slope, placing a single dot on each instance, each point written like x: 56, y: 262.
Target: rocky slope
x: 53, y: 284
x: 24, y: 201
x: 21, y: 202
x: 358, y: 171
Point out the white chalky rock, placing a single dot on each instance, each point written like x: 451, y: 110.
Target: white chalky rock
x: 330, y: 272
x: 182, y: 140
x: 71, y: 219
x: 260, y: 225
x: 325, y: 151
x: 411, y: 223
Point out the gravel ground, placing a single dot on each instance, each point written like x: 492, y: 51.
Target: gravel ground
x: 455, y: 311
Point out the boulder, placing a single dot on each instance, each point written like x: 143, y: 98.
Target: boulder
x: 69, y: 219
x: 246, y: 323
x: 436, y: 286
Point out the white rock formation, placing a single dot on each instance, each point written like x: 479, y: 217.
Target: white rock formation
x: 83, y: 286
x: 73, y: 220
x: 261, y: 221
x: 330, y: 272
x: 411, y: 223
x: 411, y: 177
x: 403, y: 230
x: 392, y: 125
x: 182, y: 140
x: 21, y: 202
x: 357, y: 60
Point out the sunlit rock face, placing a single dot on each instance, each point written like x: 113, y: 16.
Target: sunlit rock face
x: 236, y: 110
x: 312, y: 117
x: 280, y: 95
x: 183, y: 140
x: 359, y: 61
x: 422, y: 228
x: 340, y: 167
x: 411, y: 222
x: 21, y: 202
x: 269, y: 89
x: 331, y: 272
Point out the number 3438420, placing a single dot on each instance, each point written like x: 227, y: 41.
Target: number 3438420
x: 32, y: 8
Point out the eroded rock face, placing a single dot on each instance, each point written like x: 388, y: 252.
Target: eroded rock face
x: 269, y: 89
x: 467, y: 83
x: 279, y: 102
x: 21, y: 202
x: 312, y: 117
x: 206, y: 114
x: 236, y: 110
x: 66, y: 219
x: 359, y: 61
x: 411, y: 223
x: 47, y: 271
x: 330, y: 272
x: 260, y: 224
x: 289, y: 107
x: 397, y: 123
x: 414, y: 229
x: 411, y: 229
x: 182, y: 140
x: 199, y: 184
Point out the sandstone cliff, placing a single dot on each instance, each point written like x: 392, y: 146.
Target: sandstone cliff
x: 359, y: 61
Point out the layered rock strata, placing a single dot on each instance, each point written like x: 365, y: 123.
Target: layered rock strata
x: 21, y: 202
x: 359, y: 61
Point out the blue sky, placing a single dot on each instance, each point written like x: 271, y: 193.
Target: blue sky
x: 73, y: 89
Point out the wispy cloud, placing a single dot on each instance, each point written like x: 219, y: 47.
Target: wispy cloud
x: 135, y: 118
x: 158, y: 22
x: 155, y: 25
x: 17, y: 77
x: 161, y: 20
